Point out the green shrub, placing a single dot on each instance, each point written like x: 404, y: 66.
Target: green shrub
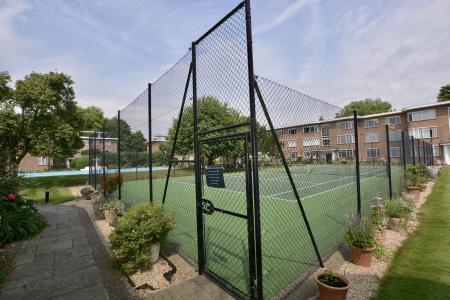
x: 133, y: 234
x: 80, y: 162
x: 6, y: 263
x: 415, y: 176
x: 361, y: 234
x: 398, y: 208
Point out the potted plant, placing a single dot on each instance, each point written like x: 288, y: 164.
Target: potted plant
x: 361, y: 239
x: 379, y: 222
x: 397, y: 211
x: 414, y: 180
x: 111, y: 209
x: 86, y: 191
x: 137, y: 236
x: 332, y: 285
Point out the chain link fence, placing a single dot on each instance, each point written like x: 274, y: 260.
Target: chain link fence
x: 262, y: 179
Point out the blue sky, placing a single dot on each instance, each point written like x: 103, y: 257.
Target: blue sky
x: 334, y: 50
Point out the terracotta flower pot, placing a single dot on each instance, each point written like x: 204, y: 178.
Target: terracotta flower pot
x: 362, y: 257
x: 415, y: 192
x: 394, y: 224
x: 327, y: 292
x: 380, y: 234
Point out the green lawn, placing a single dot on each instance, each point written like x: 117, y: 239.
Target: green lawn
x: 57, y: 194
x: 421, y: 267
x: 329, y: 200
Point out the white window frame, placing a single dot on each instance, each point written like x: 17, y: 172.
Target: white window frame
x: 436, y: 150
x: 292, y: 143
x: 348, y: 152
x: 377, y: 150
x: 311, y: 141
x: 395, y: 133
x: 293, y: 155
x: 311, y: 129
x: 368, y: 141
x: 371, y: 123
x: 417, y: 116
x: 280, y: 132
x: 41, y: 161
x: 293, y: 131
x: 346, y: 125
x: 418, y: 132
x: 387, y: 120
x: 345, y: 139
x: 396, y: 149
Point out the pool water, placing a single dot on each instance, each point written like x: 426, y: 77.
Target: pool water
x: 85, y: 172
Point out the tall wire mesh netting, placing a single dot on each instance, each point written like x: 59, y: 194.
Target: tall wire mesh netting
x: 223, y: 100
x: 178, y: 189
x: 320, y: 151
x: 111, y: 159
x: 134, y: 145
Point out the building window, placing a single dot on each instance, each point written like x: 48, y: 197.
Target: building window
x: 307, y: 142
x: 436, y: 150
x: 311, y: 155
x: 422, y: 115
x: 293, y: 155
x: 372, y: 137
x: 311, y: 129
x: 372, y: 123
x: 395, y: 136
x: 325, y: 135
x: 41, y: 161
x: 394, y: 151
x: 293, y: 131
x: 292, y: 143
x: 346, y: 153
x: 86, y: 142
x: 392, y: 120
x: 373, y: 152
x: 108, y: 143
x: 280, y: 132
x: 344, y: 125
x: 424, y: 133
x: 346, y: 139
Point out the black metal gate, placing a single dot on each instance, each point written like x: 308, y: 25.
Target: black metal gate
x: 228, y: 216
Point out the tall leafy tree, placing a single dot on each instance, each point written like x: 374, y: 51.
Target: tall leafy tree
x: 366, y: 107
x: 129, y: 141
x: 444, y: 93
x: 40, y: 116
x: 92, y: 117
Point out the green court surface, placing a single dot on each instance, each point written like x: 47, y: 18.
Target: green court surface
x: 328, y: 194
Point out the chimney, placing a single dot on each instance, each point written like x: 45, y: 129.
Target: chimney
x: 321, y: 118
x: 338, y: 115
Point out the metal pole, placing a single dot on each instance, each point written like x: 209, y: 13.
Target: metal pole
x: 104, y: 158
x: 150, y: 152
x: 254, y: 143
x: 418, y: 151
x: 198, y: 173
x: 288, y: 172
x: 180, y: 115
x: 95, y: 160
x: 90, y: 161
x: 403, y: 150
x: 388, y: 161
x: 358, y: 171
x: 118, y: 153
x: 413, y: 151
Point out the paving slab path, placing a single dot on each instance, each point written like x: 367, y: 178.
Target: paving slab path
x: 66, y: 261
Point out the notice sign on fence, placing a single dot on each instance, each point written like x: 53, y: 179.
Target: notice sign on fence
x: 214, y: 177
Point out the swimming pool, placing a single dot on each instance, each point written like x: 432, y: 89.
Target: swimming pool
x: 86, y: 172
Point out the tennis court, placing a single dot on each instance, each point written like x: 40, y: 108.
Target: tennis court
x: 328, y: 193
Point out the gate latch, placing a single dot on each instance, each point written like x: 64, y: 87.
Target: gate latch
x: 207, y: 207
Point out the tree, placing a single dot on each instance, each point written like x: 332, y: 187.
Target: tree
x: 444, y: 93
x: 129, y: 141
x: 40, y: 116
x: 93, y: 118
x: 366, y: 107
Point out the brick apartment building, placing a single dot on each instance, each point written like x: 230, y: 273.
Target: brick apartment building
x: 335, y: 139
x: 110, y: 143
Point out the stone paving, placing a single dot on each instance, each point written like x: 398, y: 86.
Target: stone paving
x: 66, y: 261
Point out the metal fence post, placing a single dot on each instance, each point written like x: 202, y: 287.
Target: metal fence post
x: 358, y: 171
x: 104, y: 158
x: 118, y: 153
x: 150, y: 152
x: 95, y: 160
x: 90, y: 162
x: 251, y: 80
x: 403, y: 150
x: 198, y: 174
x: 418, y: 152
x: 413, y: 151
x: 388, y: 161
